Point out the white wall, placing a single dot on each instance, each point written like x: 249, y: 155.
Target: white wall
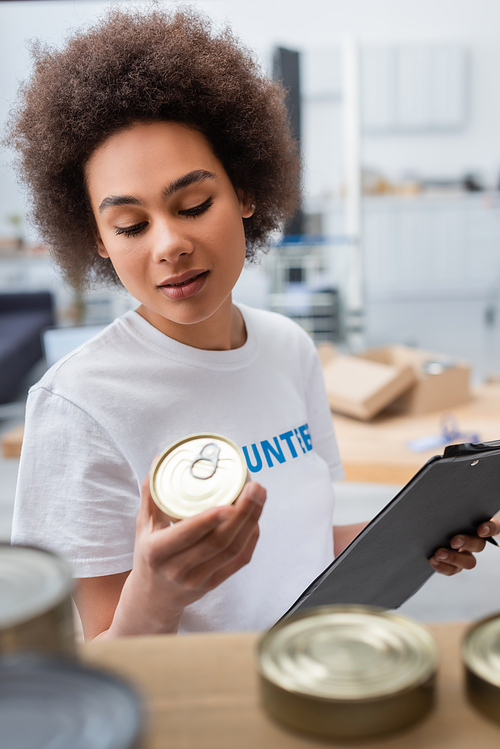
x: 310, y: 26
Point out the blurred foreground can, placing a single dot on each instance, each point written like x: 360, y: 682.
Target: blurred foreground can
x: 481, y: 657
x: 63, y: 704
x: 35, y: 601
x: 196, y: 473
x: 347, y: 672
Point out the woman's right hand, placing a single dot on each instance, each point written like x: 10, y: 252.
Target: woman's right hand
x: 176, y: 564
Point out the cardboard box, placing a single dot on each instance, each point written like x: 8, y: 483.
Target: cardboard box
x: 441, y: 381
x: 361, y: 388
x: 326, y: 352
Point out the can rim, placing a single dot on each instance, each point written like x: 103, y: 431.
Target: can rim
x: 115, y: 690
x: 422, y: 630
x: 178, y: 443
x: 468, y: 653
x: 67, y: 588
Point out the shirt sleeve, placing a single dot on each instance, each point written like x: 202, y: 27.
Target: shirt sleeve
x: 320, y: 415
x: 76, y: 494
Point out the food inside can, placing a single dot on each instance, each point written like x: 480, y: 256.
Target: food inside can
x: 35, y: 601
x: 347, y: 672
x: 481, y: 658
x: 196, y: 473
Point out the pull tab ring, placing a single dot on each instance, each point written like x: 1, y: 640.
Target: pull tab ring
x: 209, y: 454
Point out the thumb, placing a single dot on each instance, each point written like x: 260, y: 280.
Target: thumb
x: 150, y: 514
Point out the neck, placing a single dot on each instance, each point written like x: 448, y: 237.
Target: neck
x: 223, y: 331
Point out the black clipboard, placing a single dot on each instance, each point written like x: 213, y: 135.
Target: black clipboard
x: 388, y: 561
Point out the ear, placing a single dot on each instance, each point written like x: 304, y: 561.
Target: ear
x: 102, y: 251
x: 247, y: 208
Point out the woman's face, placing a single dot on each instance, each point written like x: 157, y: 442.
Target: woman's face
x: 171, y: 223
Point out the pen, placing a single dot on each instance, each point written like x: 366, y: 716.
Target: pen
x: 491, y: 540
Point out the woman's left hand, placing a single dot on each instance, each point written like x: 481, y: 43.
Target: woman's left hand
x: 461, y: 555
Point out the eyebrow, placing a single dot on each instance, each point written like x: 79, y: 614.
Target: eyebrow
x: 198, y: 175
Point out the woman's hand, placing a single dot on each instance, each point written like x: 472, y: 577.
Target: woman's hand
x: 176, y: 564
x: 461, y: 554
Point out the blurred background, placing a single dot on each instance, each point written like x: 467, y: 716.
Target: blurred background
x: 395, y: 100
x: 398, y: 237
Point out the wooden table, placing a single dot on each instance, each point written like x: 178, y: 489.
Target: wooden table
x: 377, y: 451
x: 12, y: 442
x: 202, y: 693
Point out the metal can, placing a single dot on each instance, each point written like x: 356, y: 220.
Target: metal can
x: 481, y: 658
x: 35, y: 601
x: 347, y: 672
x: 61, y: 703
x: 196, y: 473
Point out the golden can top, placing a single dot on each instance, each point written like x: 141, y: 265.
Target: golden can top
x: 348, y: 653
x: 32, y: 581
x: 196, y: 473
x: 481, y: 649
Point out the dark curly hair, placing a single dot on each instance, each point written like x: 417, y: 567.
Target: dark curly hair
x: 145, y: 66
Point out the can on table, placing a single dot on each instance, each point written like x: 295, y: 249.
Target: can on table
x: 196, y: 473
x: 347, y: 672
x: 481, y: 658
x: 61, y: 703
x: 35, y: 601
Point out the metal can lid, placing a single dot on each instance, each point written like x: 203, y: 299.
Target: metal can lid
x: 46, y: 701
x: 348, y: 653
x: 196, y: 473
x: 32, y: 581
x: 481, y: 649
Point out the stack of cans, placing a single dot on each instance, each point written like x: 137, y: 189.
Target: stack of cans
x: 347, y: 672
x: 47, y: 698
x: 35, y: 593
x: 62, y: 704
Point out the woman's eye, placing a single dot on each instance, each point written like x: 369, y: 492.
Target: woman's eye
x: 130, y: 231
x: 197, y: 210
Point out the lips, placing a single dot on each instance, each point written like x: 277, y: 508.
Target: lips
x: 184, y: 285
x: 183, y: 279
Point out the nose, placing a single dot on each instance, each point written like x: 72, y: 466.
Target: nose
x: 171, y: 241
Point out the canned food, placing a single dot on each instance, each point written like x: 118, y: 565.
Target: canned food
x: 196, y: 473
x: 62, y: 704
x: 35, y: 601
x: 481, y: 657
x: 347, y: 672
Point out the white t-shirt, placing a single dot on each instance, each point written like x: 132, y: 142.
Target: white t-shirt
x: 98, y: 417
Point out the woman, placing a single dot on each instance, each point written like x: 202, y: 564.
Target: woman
x: 158, y: 154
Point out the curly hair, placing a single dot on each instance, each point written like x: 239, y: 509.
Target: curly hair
x: 149, y: 65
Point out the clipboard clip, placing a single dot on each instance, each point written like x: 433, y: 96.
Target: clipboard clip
x: 470, y: 448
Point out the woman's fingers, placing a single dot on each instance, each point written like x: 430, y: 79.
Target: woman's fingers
x: 467, y: 543
x: 225, y: 539
x: 491, y: 528
x: 228, y: 560
x: 476, y: 543
x: 443, y: 568
x: 460, y: 556
x: 181, y: 537
x: 239, y: 561
x: 194, y: 541
x: 448, y: 561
